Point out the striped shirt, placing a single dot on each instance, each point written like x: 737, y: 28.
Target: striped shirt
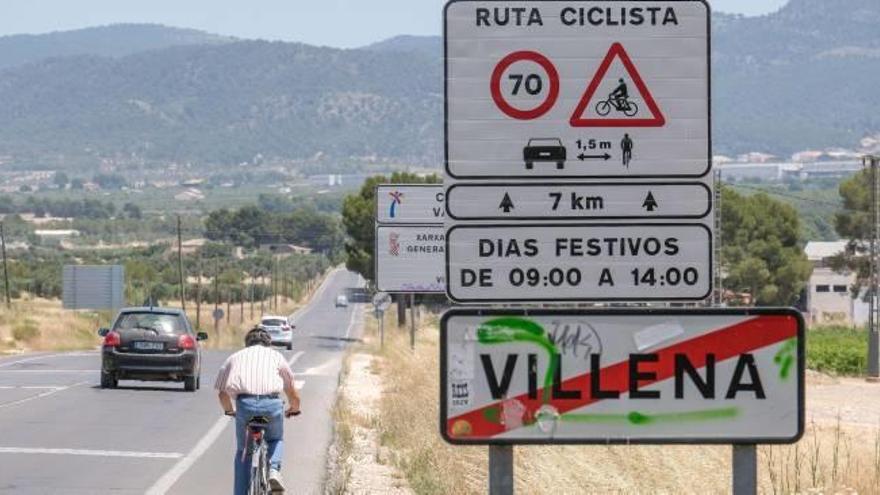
x: 254, y: 370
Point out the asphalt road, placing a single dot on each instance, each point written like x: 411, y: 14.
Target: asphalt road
x: 60, y: 433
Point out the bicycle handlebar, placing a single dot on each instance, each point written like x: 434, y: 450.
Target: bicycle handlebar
x: 286, y: 414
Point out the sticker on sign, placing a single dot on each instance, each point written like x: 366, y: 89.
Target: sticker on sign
x: 622, y: 376
x: 582, y: 262
x: 581, y: 88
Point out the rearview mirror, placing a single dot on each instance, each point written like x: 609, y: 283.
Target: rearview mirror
x: 103, y: 332
x: 201, y: 336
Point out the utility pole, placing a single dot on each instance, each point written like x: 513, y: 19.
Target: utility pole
x: 718, y: 292
x: 5, y: 268
x: 180, y: 265
x: 241, y: 297
x: 873, y: 336
x: 199, y: 295
x: 216, y: 297
x: 262, y: 293
x: 228, y: 304
x: 275, y: 283
x: 253, y: 288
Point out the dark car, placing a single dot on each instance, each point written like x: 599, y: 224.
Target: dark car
x: 544, y: 150
x: 151, y: 344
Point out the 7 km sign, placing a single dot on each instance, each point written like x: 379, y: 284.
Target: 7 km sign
x: 580, y: 89
x: 627, y: 376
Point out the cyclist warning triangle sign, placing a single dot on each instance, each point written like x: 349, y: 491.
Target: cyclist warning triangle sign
x: 620, y: 100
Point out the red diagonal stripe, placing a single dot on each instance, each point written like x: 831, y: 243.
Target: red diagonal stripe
x: 726, y: 343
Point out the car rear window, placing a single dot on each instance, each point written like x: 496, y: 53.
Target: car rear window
x: 274, y: 322
x: 161, y: 323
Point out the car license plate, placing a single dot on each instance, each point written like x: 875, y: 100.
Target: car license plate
x: 149, y: 346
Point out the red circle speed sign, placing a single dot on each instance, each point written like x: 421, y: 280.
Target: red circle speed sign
x: 552, y: 93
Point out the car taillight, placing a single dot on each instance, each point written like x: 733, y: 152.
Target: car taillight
x: 112, y: 340
x: 186, y: 342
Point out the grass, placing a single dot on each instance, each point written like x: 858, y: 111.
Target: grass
x: 35, y: 324
x: 829, y: 459
x: 837, y: 350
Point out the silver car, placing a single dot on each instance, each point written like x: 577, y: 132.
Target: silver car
x: 279, y: 329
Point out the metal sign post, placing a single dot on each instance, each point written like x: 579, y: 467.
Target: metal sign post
x: 412, y: 321
x: 381, y: 302
x: 874, y: 320
x: 500, y: 470
x: 381, y: 329
x: 745, y: 469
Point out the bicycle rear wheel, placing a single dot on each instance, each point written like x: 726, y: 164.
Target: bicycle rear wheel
x: 603, y: 108
x: 259, y: 471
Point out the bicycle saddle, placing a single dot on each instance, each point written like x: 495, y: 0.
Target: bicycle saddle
x: 259, y: 421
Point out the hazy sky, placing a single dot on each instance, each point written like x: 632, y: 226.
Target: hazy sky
x: 341, y: 23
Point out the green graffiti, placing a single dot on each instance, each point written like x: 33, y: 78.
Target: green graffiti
x: 641, y: 419
x: 492, y: 415
x: 512, y: 329
x: 785, y: 358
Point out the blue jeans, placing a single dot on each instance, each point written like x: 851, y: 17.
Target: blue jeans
x: 247, y: 408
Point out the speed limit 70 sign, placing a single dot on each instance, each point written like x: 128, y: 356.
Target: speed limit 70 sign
x: 577, y: 89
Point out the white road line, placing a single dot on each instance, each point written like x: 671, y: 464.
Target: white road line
x: 295, y: 357
x: 49, y: 371
x: 46, y: 356
x: 163, y: 484
x: 31, y: 387
x: 95, y: 453
x: 356, y: 311
x: 39, y: 396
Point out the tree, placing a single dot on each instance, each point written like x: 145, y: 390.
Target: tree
x: 61, y: 180
x: 132, y: 211
x: 855, y: 223
x: 761, y: 252
x: 359, y: 217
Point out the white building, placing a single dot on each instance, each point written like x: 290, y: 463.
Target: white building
x: 829, y: 300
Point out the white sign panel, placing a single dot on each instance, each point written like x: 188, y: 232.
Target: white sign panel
x: 572, y: 201
x: 93, y: 286
x: 625, y: 376
x: 410, y: 258
x: 580, y: 262
x: 410, y: 204
x: 580, y: 88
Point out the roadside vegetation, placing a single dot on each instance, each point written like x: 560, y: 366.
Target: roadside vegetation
x: 39, y: 324
x: 833, y: 457
x: 841, y: 351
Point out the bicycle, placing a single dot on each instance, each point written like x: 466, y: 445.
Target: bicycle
x: 603, y: 108
x: 258, y: 450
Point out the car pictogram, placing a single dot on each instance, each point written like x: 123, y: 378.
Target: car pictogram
x: 545, y: 150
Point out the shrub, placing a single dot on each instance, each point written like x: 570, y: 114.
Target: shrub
x: 837, y: 350
x: 25, y: 331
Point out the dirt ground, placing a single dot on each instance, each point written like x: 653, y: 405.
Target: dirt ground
x: 855, y: 400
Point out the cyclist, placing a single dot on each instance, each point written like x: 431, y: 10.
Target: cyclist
x: 620, y: 96
x: 253, y: 379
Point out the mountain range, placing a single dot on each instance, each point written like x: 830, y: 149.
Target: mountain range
x: 804, y: 77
